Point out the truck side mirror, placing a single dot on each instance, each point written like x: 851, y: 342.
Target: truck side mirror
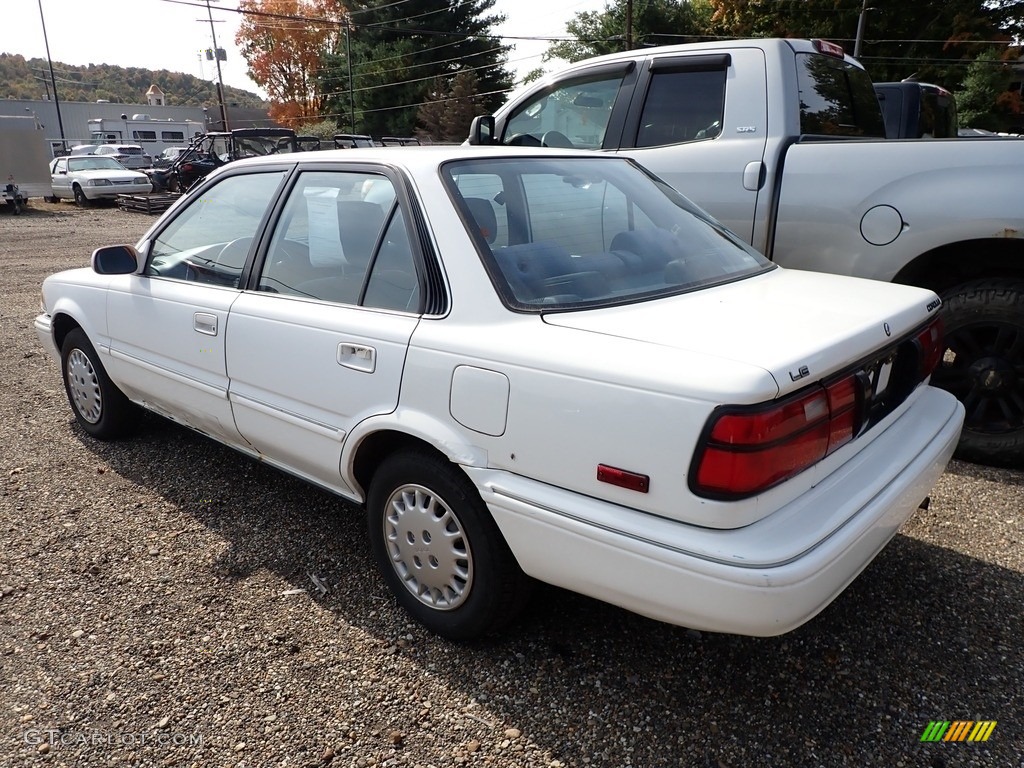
x: 481, y: 130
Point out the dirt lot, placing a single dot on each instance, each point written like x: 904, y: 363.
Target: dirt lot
x: 151, y: 615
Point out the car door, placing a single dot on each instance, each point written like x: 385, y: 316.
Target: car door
x: 320, y: 342
x: 687, y: 127
x: 167, y: 324
x: 59, y: 180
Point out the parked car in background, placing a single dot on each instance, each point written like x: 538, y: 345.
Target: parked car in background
x: 525, y: 363
x: 129, y: 155
x: 167, y: 157
x: 352, y: 141
x: 85, y: 178
x: 914, y: 110
x: 399, y: 141
x: 308, y: 143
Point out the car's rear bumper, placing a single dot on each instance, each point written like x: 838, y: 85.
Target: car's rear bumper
x: 706, y: 579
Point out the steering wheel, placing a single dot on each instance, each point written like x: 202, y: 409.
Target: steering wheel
x: 233, y: 254
x: 556, y: 139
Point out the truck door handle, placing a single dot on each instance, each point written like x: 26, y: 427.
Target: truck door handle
x: 204, y: 322
x: 358, y: 357
x: 753, y: 176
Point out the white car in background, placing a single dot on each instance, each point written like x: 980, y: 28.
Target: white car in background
x: 85, y: 178
x: 524, y: 363
x: 129, y: 155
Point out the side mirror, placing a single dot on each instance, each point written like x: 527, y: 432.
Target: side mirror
x: 481, y: 130
x: 115, y: 260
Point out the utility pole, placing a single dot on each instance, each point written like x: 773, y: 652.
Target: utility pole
x: 629, y: 24
x: 861, y: 24
x: 351, y: 97
x: 53, y: 80
x: 220, y: 77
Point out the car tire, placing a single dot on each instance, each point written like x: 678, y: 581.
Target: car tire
x: 80, y: 199
x: 100, y: 408
x: 439, y: 550
x: 983, y: 367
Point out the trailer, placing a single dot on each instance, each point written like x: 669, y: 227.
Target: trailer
x: 24, y: 161
x: 154, y: 136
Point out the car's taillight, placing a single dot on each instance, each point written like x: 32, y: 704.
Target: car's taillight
x: 932, y: 347
x: 749, y: 449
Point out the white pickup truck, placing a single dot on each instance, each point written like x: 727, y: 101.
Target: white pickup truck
x: 784, y: 142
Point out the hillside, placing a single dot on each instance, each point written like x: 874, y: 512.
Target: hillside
x: 22, y: 78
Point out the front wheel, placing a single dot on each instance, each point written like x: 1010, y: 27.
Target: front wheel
x: 100, y: 407
x: 439, y: 550
x: 983, y: 366
x: 80, y: 199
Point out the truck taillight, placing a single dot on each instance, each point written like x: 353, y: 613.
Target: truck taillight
x: 932, y: 346
x: 749, y: 449
x: 829, y: 49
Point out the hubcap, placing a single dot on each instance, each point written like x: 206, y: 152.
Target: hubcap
x: 84, y: 386
x: 428, y: 548
x: 984, y: 367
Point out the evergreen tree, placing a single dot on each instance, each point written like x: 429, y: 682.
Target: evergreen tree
x: 399, y: 50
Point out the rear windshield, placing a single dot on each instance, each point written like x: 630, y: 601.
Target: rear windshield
x: 130, y: 150
x: 836, y: 98
x: 575, y: 233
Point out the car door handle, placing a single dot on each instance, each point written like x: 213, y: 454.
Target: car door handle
x: 204, y: 322
x: 358, y: 357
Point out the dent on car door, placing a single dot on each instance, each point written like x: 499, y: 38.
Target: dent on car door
x: 321, y: 343
x: 167, y: 325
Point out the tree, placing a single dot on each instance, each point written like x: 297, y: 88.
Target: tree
x: 984, y: 100
x: 934, y: 40
x: 400, y: 50
x: 285, y: 43
x: 656, y: 22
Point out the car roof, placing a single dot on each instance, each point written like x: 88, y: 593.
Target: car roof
x: 418, y: 158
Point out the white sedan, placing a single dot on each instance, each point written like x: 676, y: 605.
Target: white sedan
x: 530, y: 364
x: 84, y: 178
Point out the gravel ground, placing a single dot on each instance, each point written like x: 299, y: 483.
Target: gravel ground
x: 158, y: 608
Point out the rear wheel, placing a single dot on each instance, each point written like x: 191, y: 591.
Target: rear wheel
x: 80, y: 199
x: 100, y: 407
x: 983, y: 366
x: 439, y: 550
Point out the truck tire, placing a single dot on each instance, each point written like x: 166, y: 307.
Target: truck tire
x: 984, y: 367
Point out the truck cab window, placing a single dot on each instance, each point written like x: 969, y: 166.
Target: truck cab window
x: 682, y: 106
x: 573, y: 114
x: 836, y: 98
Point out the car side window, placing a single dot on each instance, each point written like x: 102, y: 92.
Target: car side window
x: 209, y: 241
x: 682, y: 106
x: 342, y: 238
x: 573, y: 114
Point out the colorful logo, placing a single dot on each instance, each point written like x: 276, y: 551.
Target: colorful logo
x: 958, y: 730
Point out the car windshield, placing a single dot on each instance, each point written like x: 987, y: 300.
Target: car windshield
x: 94, y: 164
x: 575, y: 233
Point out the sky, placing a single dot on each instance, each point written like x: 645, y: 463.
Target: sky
x: 172, y: 34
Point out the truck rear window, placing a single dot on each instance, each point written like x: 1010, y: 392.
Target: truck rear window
x: 836, y: 98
